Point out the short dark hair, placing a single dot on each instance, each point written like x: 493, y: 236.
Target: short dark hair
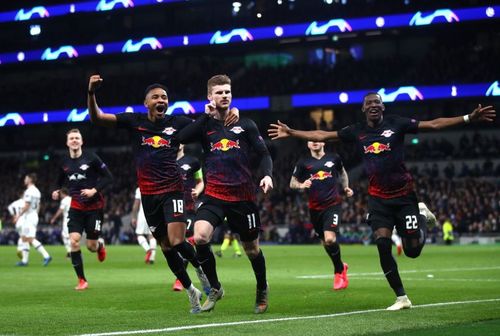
x: 217, y: 80
x: 64, y: 190
x: 155, y: 86
x: 73, y: 130
x: 371, y: 93
x: 33, y: 177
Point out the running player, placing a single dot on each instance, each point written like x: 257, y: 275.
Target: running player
x: 230, y: 191
x: 144, y: 236
x: 63, y: 211
x: 28, y: 217
x: 85, y: 176
x: 392, y: 200
x: 192, y: 178
x: 160, y: 183
x: 14, y: 209
x: 321, y: 173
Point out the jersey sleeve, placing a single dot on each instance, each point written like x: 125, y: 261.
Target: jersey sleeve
x: 407, y: 125
x: 339, y: 165
x: 347, y: 134
x: 126, y: 120
x: 193, y: 131
x: 258, y: 144
x: 105, y: 177
x: 299, y: 171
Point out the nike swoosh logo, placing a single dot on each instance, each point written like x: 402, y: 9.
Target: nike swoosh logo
x: 177, y: 214
x: 211, y: 132
x: 361, y: 137
x: 142, y: 129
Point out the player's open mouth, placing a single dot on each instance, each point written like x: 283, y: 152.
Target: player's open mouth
x: 160, y: 108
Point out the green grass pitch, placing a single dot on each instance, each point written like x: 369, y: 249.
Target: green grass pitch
x: 126, y: 295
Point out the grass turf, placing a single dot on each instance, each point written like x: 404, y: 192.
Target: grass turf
x: 127, y: 295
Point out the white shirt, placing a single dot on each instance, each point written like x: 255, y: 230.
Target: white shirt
x: 15, y: 207
x: 32, y: 196
x: 64, y: 206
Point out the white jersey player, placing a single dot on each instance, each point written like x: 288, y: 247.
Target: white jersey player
x: 14, y: 209
x: 144, y: 236
x: 63, y: 211
x: 29, y: 221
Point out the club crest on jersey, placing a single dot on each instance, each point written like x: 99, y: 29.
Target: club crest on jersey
x: 224, y: 145
x: 377, y: 148
x: 169, y: 131
x: 329, y: 164
x: 237, y: 130
x: 155, y: 142
x: 321, y: 175
x: 185, y: 167
x: 77, y: 177
x: 84, y: 166
x: 387, y: 133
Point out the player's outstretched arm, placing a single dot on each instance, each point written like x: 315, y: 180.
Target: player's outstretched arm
x: 479, y: 114
x: 281, y: 130
x: 96, y: 115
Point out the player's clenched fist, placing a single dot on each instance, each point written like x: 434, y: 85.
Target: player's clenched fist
x: 94, y: 83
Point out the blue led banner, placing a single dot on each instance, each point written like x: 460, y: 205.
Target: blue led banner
x: 42, y: 12
x: 389, y: 95
x: 246, y: 35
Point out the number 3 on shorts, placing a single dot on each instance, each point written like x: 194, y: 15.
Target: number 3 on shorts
x: 411, y: 222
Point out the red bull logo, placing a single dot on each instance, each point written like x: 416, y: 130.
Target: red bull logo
x: 155, y: 142
x: 321, y: 175
x: 377, y: 148
x: 224, y: 145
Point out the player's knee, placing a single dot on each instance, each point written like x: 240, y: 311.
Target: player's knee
x: 201, y: 239
x: 412, y: 252
x: 329, y: 241
x: 384, y: 245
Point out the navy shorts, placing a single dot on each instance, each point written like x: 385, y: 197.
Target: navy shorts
x: 162, y: 209
x: 400, y: 212
x: 242, y: 217
x: 326, y: 220
x: 89, y: 221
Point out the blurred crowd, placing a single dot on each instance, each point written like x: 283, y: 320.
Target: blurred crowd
x: 470, y: 199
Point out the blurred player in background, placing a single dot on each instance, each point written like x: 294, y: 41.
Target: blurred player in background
x: 321, y: 173
x: 85, y: 175
x: 63, y: 211
x: 396, y: 239
x: 392, y: 200
x: 230, y: 239
x: 192, y: 178
x: 28, y: 217
x: 14, y: 209
x: 144, y: 236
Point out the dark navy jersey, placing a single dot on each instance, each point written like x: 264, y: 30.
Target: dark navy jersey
x: 227, y: 156
x: 383, y: 154
x: 324, y: 175
x: 155, y: 149
x: 85, y: 172
x: 189, y: 167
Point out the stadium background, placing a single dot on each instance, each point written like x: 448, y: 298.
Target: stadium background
x: 457, y: 170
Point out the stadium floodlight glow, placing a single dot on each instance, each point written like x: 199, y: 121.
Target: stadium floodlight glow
x: 49, y: 55
x: 12, y: 117
x: 131, y: 46
x: 262, y: 103
x: 332, y: 28
x: 223, y: 38
x: 79, y: 7
x: 321, y: 29
x: 236, y: 6
x: 105, y: 5
x: 38, y: 12
x: 421, y: 20
x: 35, y: 30
x: 411, y: 91
x: 493, y: 89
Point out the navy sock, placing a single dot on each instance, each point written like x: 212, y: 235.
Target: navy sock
x: 76, y: 260
x: 333, y: 252
x: 207, y: 262
x: 389, y: 265
x: 259, y: 269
